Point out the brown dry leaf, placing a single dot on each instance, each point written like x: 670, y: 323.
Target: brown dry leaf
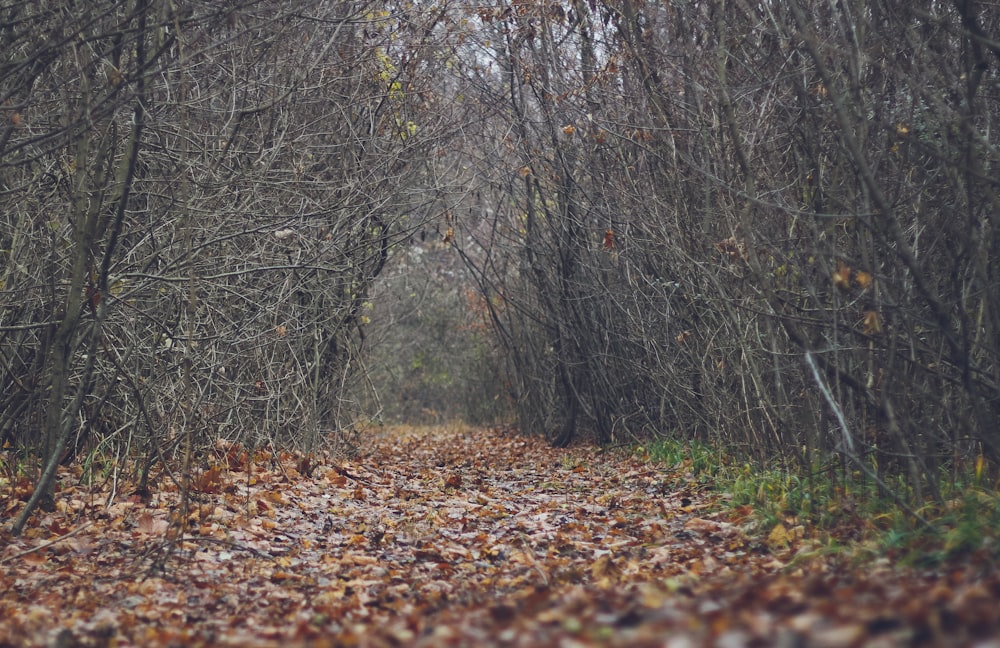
x: 149, y: 525
x: 703, y: 526
x: 731, y: 248
x: 334, y: 478
x: 36, y: 558
x: 274, y: 496
x: 388, y: 552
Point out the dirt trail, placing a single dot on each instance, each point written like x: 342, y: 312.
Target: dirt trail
x: 456, y: 537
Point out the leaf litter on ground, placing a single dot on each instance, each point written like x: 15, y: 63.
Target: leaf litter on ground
x: 452, y: 536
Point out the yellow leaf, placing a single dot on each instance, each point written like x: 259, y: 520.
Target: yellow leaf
x: 870, y: 323
x: 779, y: 538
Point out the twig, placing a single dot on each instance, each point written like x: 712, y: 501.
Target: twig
x: 45, y: 545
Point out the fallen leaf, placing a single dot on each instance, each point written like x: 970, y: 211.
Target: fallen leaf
x: 842, y: 276
x: 779, y: 539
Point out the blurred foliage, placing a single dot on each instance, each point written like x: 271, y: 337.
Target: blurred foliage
x: 433, y: 358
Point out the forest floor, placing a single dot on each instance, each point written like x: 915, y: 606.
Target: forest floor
x: 450, y: 536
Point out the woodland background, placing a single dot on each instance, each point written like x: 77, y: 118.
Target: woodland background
x: 770, y: 227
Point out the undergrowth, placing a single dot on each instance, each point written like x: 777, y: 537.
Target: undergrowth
x: 846, y: 511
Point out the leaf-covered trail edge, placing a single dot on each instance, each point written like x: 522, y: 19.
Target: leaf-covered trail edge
x: 443, y: 536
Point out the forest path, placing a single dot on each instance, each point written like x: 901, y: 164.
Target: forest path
x: 444, y: 536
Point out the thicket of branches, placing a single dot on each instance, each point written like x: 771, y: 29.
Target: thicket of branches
x: 196, y: 197
x: 770, y: 226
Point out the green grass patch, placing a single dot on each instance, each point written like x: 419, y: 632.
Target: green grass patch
x: 846, y: 510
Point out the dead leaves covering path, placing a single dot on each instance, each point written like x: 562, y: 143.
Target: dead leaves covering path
x: 445, y: 537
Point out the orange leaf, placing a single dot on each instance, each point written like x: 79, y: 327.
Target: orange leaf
x: 842, y: 276
x: 863, y: 279
x: 35, y: 558
x: 609, y: 239
x: 335, y: 478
